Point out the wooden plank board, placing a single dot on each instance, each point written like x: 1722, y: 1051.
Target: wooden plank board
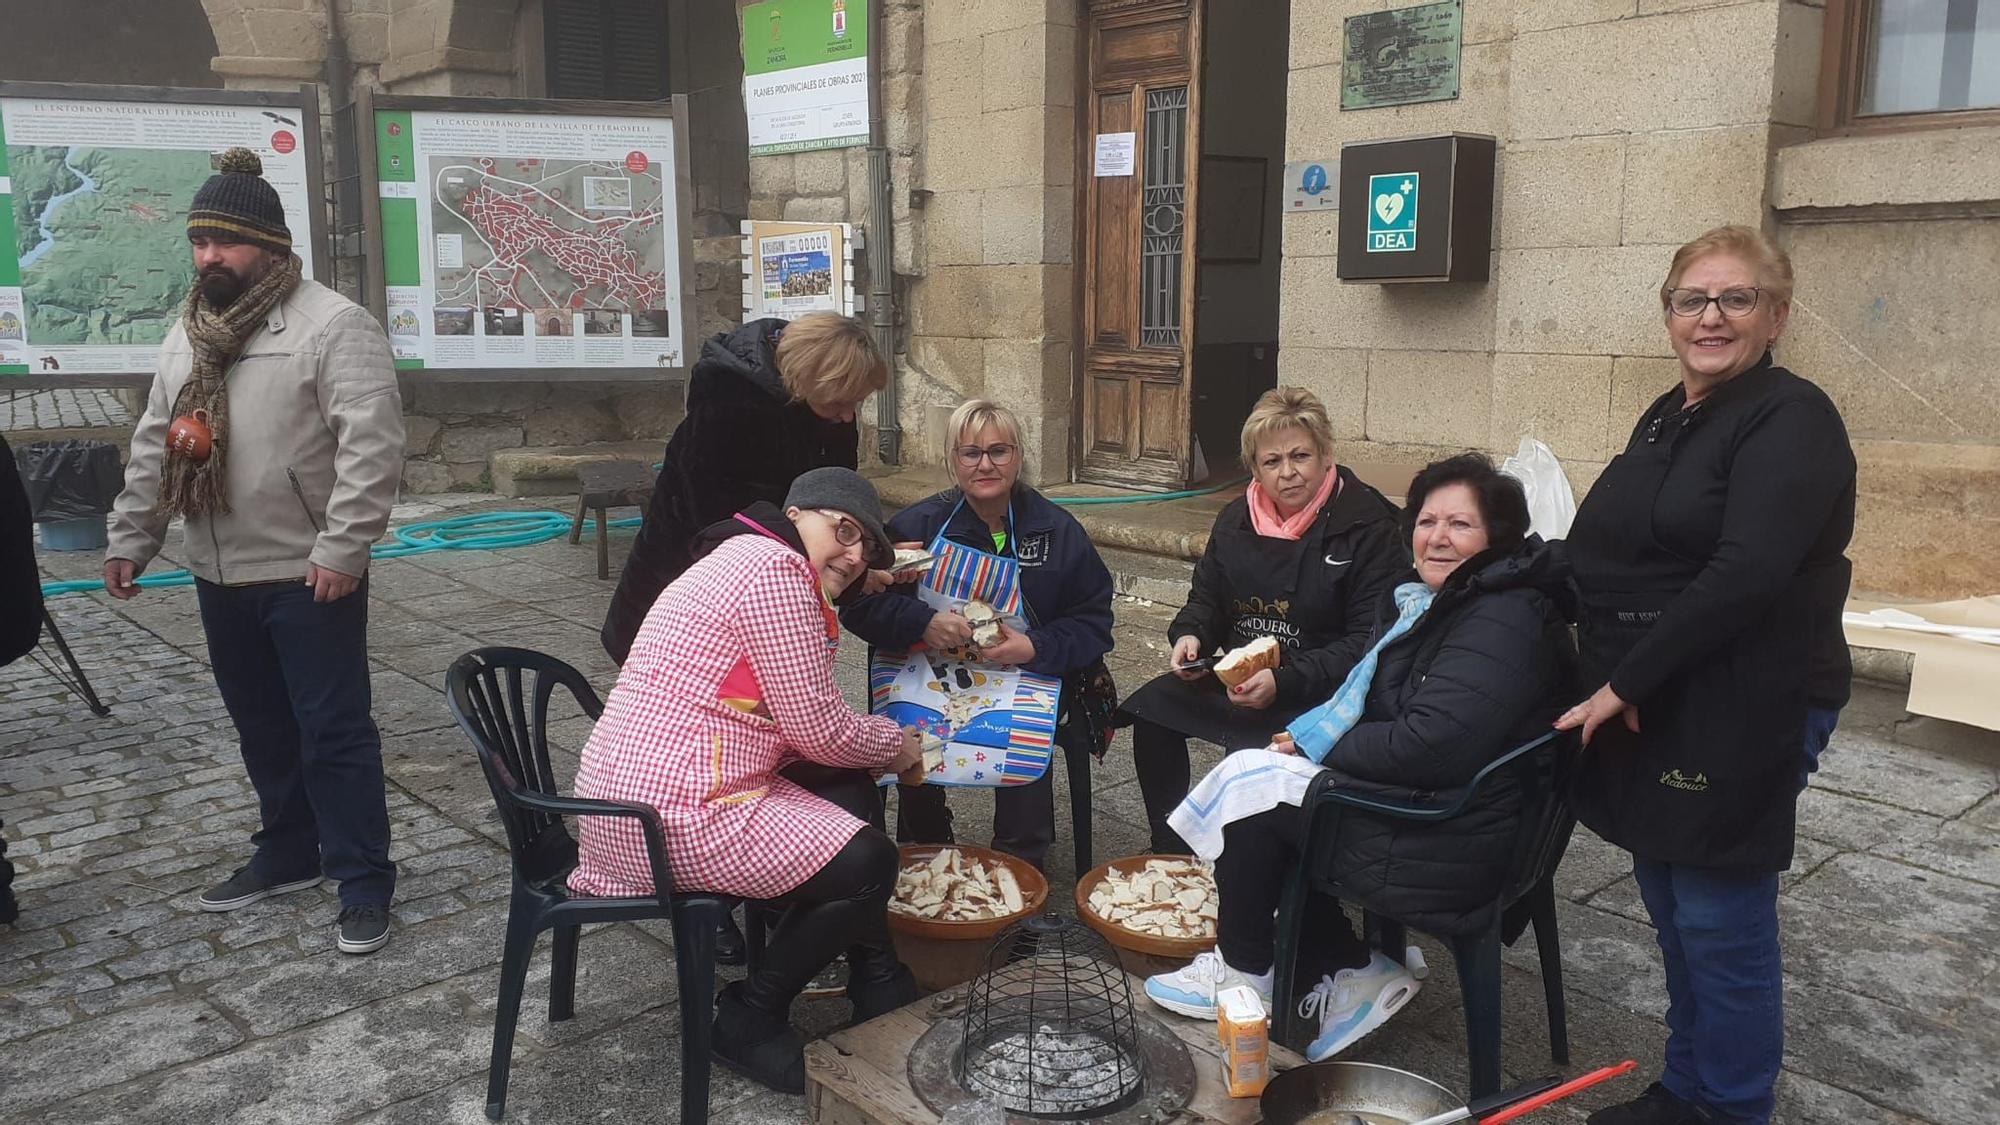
x: 860, y: 1075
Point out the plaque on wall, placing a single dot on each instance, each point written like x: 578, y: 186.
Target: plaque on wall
x: 1401, y: 57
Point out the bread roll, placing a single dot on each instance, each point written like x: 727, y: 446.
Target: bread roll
x: 1239, y: 664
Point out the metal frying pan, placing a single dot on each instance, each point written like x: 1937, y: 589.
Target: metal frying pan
x: 1339, y: 1093
x: 1380, y: 1095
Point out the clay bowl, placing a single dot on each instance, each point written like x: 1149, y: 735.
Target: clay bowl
x: 941, y: 954
x: 1144, y: 954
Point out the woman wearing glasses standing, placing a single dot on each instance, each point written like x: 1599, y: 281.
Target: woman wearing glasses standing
x: 1710, y: 559
x: 994, y: 522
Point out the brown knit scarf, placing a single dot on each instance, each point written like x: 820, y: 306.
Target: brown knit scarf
x: 195, y: 488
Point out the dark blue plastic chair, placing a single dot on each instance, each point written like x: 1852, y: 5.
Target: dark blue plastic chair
x: 1530, y: 879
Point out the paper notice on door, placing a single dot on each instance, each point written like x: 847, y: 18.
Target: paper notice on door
x: 1115, y: 152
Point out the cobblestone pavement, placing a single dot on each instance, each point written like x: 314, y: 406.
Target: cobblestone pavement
x: 62, y: 410
x: 120, y: 1000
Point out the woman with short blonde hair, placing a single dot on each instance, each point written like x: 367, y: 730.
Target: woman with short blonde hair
x: 1064, y: 590
x: 830, y: 360
x: 1302, y: 559
x: 1281, y: 409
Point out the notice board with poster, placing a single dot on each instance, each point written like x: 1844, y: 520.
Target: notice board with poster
x: 805, y: 74
x: 791, y: 269
x: 95, y: 186
x: 523, y: 239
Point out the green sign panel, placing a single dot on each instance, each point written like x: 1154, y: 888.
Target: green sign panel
x: 1392, y: 212
x: 1402, y: 57
x: 805, y: 74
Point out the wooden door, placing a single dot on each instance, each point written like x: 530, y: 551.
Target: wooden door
x: 1136, y: 240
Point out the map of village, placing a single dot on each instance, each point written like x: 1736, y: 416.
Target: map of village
x: 548, y: 234
x: 102, y: 240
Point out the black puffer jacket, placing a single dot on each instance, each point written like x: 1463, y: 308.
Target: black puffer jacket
x: 1488, y: 667
x: 744, y: 440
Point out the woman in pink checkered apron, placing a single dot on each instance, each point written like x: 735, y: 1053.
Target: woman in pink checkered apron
x: 727, y: 719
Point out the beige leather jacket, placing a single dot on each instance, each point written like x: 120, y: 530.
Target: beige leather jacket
x: 314, y: 392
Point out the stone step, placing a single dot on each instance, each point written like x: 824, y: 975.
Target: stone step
x: 552, y: 470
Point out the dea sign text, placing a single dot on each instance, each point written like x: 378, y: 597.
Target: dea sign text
x: 1392, y: 212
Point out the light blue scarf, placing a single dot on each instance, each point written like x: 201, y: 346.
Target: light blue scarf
x: 1317, y: 730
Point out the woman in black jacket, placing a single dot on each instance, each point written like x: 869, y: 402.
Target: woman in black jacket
x: 1710, y: 560
x: 1471, y: 658
x: 765, y: 403
x: 1302, y: 558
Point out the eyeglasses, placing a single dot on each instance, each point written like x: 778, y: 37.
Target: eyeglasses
x: 845, y: 531
x: 1732, y: 302
x: 1001, y: 455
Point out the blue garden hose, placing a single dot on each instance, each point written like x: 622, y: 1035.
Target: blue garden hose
x: 492, y: 531
x: 481, y: 531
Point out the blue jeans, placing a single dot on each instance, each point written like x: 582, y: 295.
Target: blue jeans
x: 294, y: 675
x: 1718, y: 932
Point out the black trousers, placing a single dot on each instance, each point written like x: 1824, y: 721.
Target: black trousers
x: 9, y: 909
x: 1258, y: 856
x: 1160, y: 756
x: 842, y: 908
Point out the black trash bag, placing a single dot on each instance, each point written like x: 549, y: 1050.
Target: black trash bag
x: 70, y: 480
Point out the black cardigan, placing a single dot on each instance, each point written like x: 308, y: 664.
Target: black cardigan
x: 1710, y: 563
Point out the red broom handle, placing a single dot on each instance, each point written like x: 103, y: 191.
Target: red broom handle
x: 1521, y: 1109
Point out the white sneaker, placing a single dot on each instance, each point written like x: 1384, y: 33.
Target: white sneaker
x: 1353, y: 1002
x: 1190, y: 991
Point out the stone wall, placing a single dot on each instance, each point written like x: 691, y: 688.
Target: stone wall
x: 1627, y: 127
x: 991, y: 309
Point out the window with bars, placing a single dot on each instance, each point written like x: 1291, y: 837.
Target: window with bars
x: 606, y: 49
x: 1891, y: 64
x: 1163, y: 218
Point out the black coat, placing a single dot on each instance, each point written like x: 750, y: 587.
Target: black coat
x: 20, y: 582
x: 743, y: 440
x: 1487, y: 668
x: 1710, y: 558
x: 1064, y: 582
x: 1317, y: 596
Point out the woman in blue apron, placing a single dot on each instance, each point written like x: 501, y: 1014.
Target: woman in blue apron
x: 1710, y: 561
x: 1054, y: 599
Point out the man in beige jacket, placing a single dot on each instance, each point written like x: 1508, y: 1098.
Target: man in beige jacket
x: 274, y: 429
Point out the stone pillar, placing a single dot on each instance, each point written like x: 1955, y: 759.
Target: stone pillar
x: 267, y: 44
x: 992, y: 311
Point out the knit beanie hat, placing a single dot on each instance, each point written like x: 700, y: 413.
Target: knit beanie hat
x: 238, y: 204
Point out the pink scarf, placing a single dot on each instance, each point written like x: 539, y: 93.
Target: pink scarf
x: 1264, y: 515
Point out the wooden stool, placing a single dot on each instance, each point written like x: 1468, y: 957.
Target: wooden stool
x: 609, y: 484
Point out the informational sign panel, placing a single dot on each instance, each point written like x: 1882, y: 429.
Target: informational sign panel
x: 805, y: 74
x: 791, y: 269
x: 95, y: 185
x: 1312, y: 185
x: 526, y: 237
x: 1116, y: 153
x: 1392, y: 212
x: 1401, y: 57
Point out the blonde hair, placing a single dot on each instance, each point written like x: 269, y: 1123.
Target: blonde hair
x: 1770, y: 262
x: 825, y: 358
x: 1286, y: 408
x: 974, y: 415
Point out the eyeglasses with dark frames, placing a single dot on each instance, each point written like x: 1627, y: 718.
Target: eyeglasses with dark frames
x: 1001, y: 455
x: 845, y: 531
x: 1693, y: 302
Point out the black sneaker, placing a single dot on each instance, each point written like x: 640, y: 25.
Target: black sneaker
x: 246, y: 887
x: 364, y: 929
x: 1657, y: 1106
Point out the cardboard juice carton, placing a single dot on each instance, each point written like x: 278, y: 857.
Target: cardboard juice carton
x: 1246, y: 1046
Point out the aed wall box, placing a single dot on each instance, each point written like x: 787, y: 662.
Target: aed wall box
x: 1417, y: 209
